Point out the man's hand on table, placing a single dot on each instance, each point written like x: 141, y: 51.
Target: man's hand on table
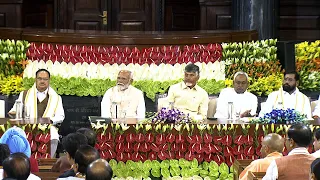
x: 246, y: 114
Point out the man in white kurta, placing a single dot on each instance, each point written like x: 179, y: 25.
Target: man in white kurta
x: 123, y: 100
x: 42, y: 101
x: 288, y: 96
x: 244, y: 102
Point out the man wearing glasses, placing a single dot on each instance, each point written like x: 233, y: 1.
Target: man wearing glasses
x: 288, y: 97
x: 42, y: 101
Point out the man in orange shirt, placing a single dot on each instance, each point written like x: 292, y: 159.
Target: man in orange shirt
x: 271, y: 149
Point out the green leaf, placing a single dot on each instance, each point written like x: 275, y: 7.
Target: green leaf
x: 223, y: 168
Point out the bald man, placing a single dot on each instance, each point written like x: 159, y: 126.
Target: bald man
x: 99, y: 170
x: 123, y: 100
x: 271, y: 149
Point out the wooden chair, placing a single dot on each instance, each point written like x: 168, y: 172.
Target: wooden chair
x: 256, y: 175
x: 48, y: 175
x: 239, y: 166
x: 45, y: 165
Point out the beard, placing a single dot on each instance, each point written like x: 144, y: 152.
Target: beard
x: 122, y: 86
x: 288, y: 88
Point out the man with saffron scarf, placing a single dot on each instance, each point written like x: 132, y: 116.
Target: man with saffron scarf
x: 42, y: 101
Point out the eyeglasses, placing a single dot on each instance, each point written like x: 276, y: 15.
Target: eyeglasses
x: 44, y: 79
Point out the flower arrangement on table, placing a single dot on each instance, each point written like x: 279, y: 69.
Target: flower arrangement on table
x: 166, y: 115
x: 280, y: 116
x: 308, y: 65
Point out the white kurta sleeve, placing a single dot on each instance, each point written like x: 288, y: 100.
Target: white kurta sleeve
x: 307, y: 107
x: 106, y: 104
x: 141, y: 109
x: 59, y: 113
x: 316, y: 111
x: 204, y: 105
x: 272, y: 172
x: 222, y: 106
x: 254, y: 105
x: 268, y: 105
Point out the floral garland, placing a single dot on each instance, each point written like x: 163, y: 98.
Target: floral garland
x: 166, y: 115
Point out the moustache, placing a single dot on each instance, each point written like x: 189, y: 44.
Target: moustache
x: 120, y: 84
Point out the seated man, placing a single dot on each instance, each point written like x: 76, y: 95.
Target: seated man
x: 71, y: 143
x: 288, y: 96
x: 17, y: 166
x: 187, y: 96
x: 84, y: 156
x: 297, y: 164
x: 128, y: 99
x: 63, y: 164
x: 99, y: 169
x: 316, y: 143
x: 42, y: 101
x: 271, y: 149
x: 316, y: 112
x: 17, y: 142
x: 244, y: 102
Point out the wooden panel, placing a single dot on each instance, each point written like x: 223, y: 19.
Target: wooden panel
x: 133, y: 15
x: 38, y: 13
x: 10, y: 15
x: 215, y: 14
x: 182, y: 15
x: 85, y: 14
x: 299, y: 20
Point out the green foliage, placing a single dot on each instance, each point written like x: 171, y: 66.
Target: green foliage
x: 97, y: 87
x: 171, y: 168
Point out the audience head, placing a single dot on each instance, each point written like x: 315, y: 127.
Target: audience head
x: 315, y: 170
x: 99, y: 170
x: 72, y: 142
x: 16, y: 140
x: 4, y: 152
x: 272, y: 143
x: 84, y: 156
x: 16, y: 166
x: 290, y: 81
x: 240, y: 82
x: 316, y: 142
x: 124, y: 79
x: 90, y: 134
x: 42, y: 79
x: 298, y: 135
x: 191, y: 75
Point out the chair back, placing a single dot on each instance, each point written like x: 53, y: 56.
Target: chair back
x: 238, y: 166
x: 48, y: 175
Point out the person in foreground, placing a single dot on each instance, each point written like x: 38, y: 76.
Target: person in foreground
x: 83, y: 157
x: 288, y: 96
x: 316, y: 143
x: 99, y: 170
x: 63, y: 163
x: 17, y: 167
x: 297, y: 164
x: 17, y: 142
x: 271, y: 149
x: 42, y: 101
x: 71, y: 143
x: 129, y: 100
x: 187, y: 96
x: 315, y: 170
x: 243, y: 101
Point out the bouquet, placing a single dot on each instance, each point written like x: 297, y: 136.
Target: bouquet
x: 166, y: 115
x: 280, y: 116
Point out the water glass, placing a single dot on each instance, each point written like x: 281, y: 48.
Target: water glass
x: 26, y: 112
x: 18, y: 109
